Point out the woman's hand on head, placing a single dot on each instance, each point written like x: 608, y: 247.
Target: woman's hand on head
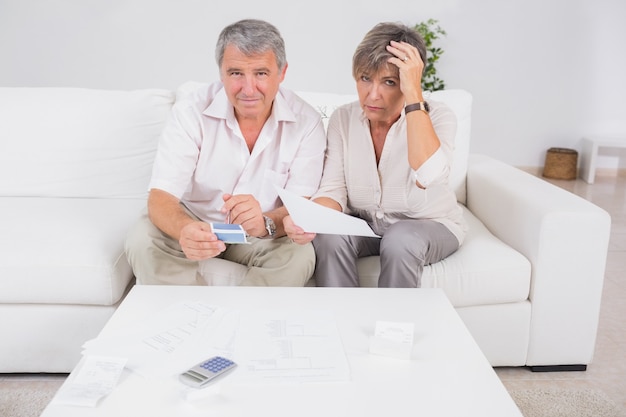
x: 410, y: 65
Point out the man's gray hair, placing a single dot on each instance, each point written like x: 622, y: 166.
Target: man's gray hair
x: 252, y: 37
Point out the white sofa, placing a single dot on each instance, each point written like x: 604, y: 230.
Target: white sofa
x: 74, y: 168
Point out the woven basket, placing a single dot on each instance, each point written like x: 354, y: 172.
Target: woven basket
x: 561, y: 164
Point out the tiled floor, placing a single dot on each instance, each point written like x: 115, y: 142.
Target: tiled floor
x: 607, y: 372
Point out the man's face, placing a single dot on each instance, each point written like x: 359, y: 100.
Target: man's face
x: 251, y: 82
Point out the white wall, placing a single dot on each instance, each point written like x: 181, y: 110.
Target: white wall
x: 543, y: 72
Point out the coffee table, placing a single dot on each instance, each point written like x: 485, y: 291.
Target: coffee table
x: 447, y: 374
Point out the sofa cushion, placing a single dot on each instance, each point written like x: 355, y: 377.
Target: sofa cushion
x: 72, y: 142
x: 460, y: 101
x: 326, y: 103
x: 65, y: 250
x: 483, y: 271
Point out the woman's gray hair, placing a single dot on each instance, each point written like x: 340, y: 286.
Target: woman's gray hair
x: 252, y: 37
x: 371, y: 55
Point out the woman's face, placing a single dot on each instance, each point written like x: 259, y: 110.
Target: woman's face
x: 380, y: 95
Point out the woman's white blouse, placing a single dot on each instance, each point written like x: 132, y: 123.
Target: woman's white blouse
x: 384, y: 194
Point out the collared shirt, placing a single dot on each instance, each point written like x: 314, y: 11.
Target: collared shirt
x: 385, y: 193
x: 203, y: 155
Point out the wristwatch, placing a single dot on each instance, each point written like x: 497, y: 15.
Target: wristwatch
x: 420, y: 105
x: 270, y: 226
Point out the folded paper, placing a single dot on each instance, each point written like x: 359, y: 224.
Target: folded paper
x: 392, y: 339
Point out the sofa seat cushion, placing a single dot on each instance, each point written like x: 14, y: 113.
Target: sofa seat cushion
x: 483, y: 271
x: 65, y: 250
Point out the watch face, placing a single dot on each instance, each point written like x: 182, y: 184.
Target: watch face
x: 270, y: 226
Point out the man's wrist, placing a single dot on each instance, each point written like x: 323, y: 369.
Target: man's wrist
x: 270, y: 228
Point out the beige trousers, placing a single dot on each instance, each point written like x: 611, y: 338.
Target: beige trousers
x: 158, y: 259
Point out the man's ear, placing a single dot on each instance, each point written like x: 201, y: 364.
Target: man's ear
x: 284, y: 71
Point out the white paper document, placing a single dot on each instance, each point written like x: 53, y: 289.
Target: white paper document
x: 96, y: 378
x: 273, y: 346
x: 289, y: 347
x: 393, y: 339
x: 172, y: 340
x: 315, y: 218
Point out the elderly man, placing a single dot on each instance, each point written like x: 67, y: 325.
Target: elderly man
x: 225, y: 149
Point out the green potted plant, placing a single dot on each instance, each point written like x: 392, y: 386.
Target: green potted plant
x: 431, y: 31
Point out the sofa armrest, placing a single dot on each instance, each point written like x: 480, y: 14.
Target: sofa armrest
x: 565, y: 237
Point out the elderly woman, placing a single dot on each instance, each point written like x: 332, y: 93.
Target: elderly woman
x: 387, y: 162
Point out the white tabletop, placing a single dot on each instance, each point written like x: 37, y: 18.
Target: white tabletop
x: 447, y: 374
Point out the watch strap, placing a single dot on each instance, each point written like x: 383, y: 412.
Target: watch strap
x: 420, y: 105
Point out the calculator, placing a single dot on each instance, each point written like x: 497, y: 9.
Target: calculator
x: 206, y: 371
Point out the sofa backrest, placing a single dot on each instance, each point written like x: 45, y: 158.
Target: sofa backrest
x: 72, y: 142
x: 460, y: 101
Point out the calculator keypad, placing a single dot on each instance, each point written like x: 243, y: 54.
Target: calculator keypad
x: 216, y: 364
x: 202, y: 373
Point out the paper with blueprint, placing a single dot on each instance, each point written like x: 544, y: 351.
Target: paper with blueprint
x: 278, y: 346
x: 290, y: 346
x: 171, y: 340
x: 315, y: 218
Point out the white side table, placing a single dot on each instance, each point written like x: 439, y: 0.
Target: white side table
x: 589, y: 154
